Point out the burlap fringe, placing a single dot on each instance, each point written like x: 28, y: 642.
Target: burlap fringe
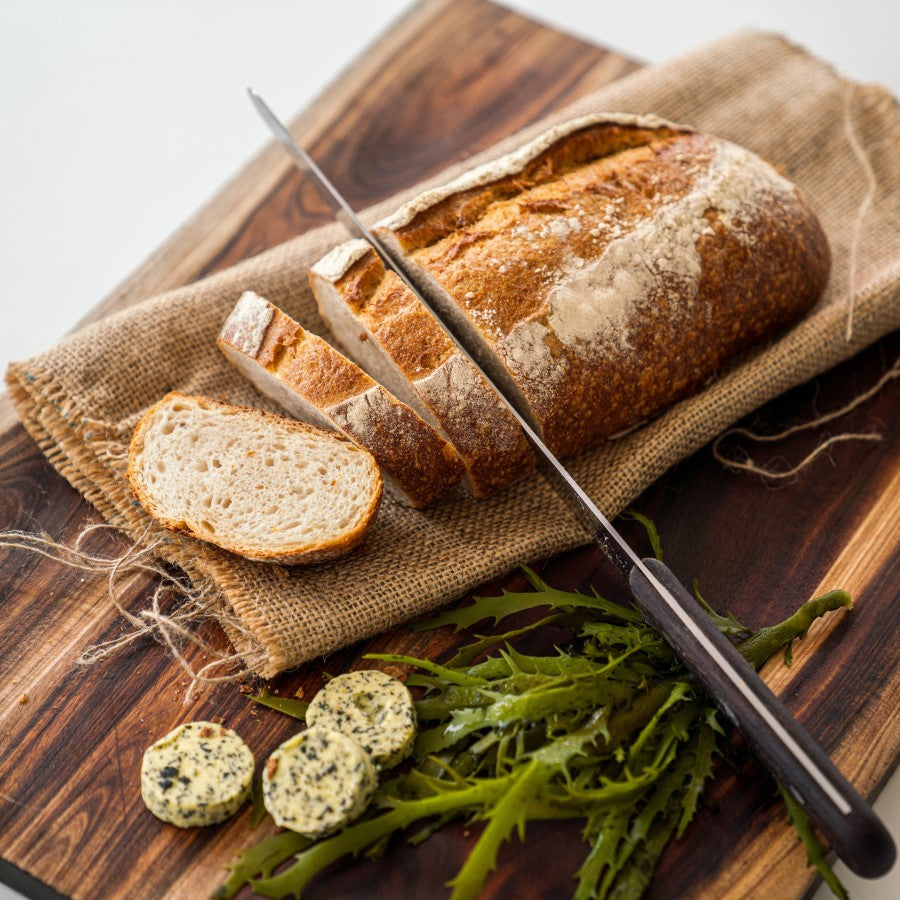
x: 748, y: 465
x: 174, y: 629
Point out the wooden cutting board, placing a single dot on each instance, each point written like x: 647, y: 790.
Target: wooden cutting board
x: 71, y: 819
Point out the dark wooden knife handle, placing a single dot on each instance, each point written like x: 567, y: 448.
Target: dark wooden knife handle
x: 850, y: 825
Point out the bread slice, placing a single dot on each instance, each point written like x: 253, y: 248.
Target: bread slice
x: 612, y: 266
x: 263, y: 486
x: 314, y: 382
x: 388, y: 331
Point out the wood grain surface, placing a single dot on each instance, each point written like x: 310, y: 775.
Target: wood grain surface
x: 71, y: 739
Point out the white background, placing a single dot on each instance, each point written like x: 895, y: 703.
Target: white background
x: 120, y: 117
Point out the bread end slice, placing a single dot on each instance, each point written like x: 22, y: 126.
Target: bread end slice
x: 262, y: 486
x: 313, y: 382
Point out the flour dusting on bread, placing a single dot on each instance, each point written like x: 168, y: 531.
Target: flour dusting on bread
x: 335, y: 263
x: 365, y: 414
x: 247, y: 323
x: 595, y: 303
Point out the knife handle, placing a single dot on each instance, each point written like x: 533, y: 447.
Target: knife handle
x: 850, y: 825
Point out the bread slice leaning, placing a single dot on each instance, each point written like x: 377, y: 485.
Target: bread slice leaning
x: 313, y: 382
x: 263, y: 486
x: 388, y: 331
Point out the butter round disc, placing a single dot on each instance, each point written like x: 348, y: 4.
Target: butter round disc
x: 198, y: 774
x: 373, y: 708
x: 318, y: 781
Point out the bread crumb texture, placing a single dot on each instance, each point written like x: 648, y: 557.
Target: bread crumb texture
x: 261, y: 485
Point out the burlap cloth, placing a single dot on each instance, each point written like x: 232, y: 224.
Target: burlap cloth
x: 838, y: 141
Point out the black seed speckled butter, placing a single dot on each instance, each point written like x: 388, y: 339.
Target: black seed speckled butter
x: 317, y: 782
x: 198, y: 774
x: 371, y: 707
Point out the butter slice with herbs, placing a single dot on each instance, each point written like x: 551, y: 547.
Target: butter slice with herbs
x: 198, y: 774
x: 373, y: 708
x: 317, y: 782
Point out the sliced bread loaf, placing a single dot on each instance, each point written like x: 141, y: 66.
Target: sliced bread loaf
x: 612, y: 266
x: 263, y: 486
x: 314, y: 382
x: 388, y: 331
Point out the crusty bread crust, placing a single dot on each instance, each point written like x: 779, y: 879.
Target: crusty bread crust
x: 317, y: 551
x: 300, y: 370
x: 464, y: 406
x: 615, y: 271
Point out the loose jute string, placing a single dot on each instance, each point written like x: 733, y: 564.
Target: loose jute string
x: 865, y: 204
x: 748, y: 465
x: 174, y: 629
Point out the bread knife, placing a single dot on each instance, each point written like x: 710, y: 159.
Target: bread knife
x: 851, y: 827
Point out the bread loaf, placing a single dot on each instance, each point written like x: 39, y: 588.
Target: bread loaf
x: 265, y: 487
x: 612, y: 266
x: 314, y: 382
x: 390, y: 333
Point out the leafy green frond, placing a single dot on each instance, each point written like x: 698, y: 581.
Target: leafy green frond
x: 466, y: 654
x: 454, y: 676
x: 258, y: 808
x: 636, y: 869
x: 702, y: 753
x: 356, y: 838
x: 607, y: 836
x: 508, y: 813
x: 815, y: 852
x: 650, y: 528
x: 679, y: 691
x: 764, y: 643
x: 510, y: 602
x: 727, y: 624
x: 534, y: 579
x: 260, y: 861
x: 287, y: 705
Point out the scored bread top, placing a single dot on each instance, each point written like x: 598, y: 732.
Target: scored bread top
x: 313, y: 381
x: 263, y: 486
x: 387, y: 329
x: 613, y: 267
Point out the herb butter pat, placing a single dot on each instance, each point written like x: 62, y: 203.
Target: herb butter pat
x: 373, y: 709
x: 198, y: 774
x: 317, y: 782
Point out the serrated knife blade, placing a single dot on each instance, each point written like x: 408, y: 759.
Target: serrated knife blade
x: 854, y: 831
